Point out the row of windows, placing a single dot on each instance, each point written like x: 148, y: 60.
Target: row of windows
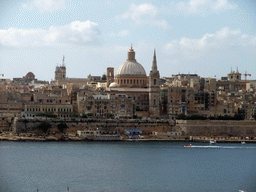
x: 50, y: 109
x: 50, y: 100
x: 31, y: 115
x: 130, y: 81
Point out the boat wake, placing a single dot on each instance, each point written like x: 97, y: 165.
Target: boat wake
x: 222, y: 147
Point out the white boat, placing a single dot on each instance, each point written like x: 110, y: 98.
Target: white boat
x: 242, y: 142
x: 212, y: 141
x: 107, y: 137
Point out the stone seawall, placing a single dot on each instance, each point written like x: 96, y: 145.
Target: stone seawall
x: 189, y: 128
x: 217, y: 127
x: 104, y: 125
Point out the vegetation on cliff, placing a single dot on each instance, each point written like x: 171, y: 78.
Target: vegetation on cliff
x: 44, y: 126
x: 200, y: 117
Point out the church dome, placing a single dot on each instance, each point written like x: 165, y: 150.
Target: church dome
x: 113, y: 85
x: 30, y: 75
x: 131, y: 67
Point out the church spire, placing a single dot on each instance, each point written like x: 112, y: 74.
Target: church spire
x: 63, y: 64
x: 154, y: 64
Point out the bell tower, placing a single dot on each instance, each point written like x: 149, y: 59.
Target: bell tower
x: 154, y: 89
x: 60, y: 72
x: 110, y: 75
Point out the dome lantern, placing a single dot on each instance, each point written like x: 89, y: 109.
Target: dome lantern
x: 131, y: 54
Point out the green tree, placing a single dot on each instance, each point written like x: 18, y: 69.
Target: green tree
x: 104, y: 77
x: 110, y: 116
x: 62, y: 126
x: 182, y: 116
x: 44, y: 126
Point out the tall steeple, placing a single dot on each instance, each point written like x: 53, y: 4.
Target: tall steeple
x: 154, y: 89
x: 63, y: 63
x: 154, y: 63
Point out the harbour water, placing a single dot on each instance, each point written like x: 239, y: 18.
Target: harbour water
x: 126, y: 166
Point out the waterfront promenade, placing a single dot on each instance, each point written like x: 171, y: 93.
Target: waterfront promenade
x: 66, y: 137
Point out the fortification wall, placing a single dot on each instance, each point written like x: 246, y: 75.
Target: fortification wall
x: 189, y: 128
x: 217, y: 127
x: 105, y: 126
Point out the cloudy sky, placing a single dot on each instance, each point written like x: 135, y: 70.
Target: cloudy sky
x: 207, y: 37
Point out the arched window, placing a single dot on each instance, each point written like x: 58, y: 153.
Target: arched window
x: 137, y: 81
x: 121, y: 81
x: 134, y: 81
x: 131, y: 81
x: 154, y: 81
x: 124, y: 81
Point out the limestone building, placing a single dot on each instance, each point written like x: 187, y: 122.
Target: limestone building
x: 61, y: 78
x: 131, y: 79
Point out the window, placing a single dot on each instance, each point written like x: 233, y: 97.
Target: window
x: 154, y: 81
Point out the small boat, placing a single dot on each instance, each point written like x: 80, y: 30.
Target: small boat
x: 188, y: 145
x: 212, y: 141
x: 242, y: 142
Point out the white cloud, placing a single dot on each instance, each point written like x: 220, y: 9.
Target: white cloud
x: 45, y: 5
x: 122, y: 33
x: 195, y: 6
x: 210, y: 43
x: 144, y: 14
x: 76, y: 33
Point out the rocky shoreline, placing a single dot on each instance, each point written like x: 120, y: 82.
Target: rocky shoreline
x: 10, y: 137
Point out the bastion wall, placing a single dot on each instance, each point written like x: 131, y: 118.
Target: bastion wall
x: 186, y: 127
x: 105, y: 126
x: 217, y: 127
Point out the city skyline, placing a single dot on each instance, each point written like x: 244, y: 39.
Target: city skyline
x: 191, y: 36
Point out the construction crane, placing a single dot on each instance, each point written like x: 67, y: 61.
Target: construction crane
x: 245, y: 76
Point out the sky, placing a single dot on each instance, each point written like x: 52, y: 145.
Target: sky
x: 206, y: 37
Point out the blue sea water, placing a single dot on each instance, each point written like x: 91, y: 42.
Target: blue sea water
x: 126, y: 166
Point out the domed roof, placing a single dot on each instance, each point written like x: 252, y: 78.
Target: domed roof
x: 113, y: 85
x: 131, y: 67
x: 30, y: 75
